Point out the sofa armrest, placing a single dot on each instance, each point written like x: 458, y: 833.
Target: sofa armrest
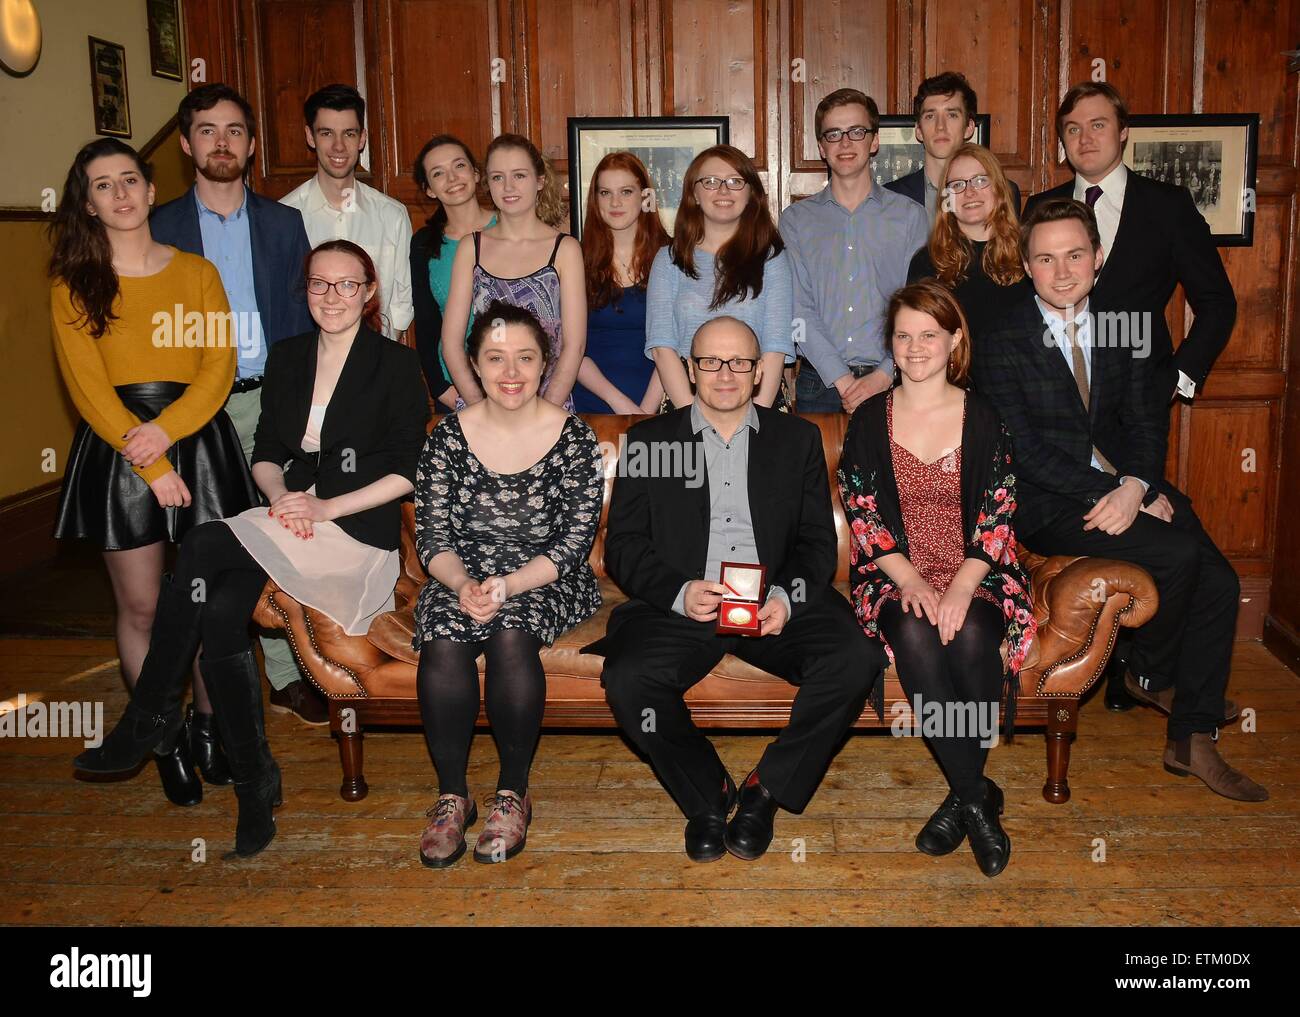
x: 336, y: 662
x: 1080, y: 605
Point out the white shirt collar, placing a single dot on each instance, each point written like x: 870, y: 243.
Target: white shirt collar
x: 315, y: 200
x: 1057, y: 324
x: 1112, y: 185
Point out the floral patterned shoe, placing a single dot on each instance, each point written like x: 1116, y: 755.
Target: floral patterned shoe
x: 506, y: 830
x: 443, y: 840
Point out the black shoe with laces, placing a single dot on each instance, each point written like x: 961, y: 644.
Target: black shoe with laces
x: 988, y: 841
x: 943, y: 832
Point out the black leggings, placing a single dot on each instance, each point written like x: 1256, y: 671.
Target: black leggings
x: 226, y: 581
x: 967, y: 670
x: 514, y: 694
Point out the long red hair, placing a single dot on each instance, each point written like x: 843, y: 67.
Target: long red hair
x: 951, y: 251
x: 370, y: 313
x: 739, y: 263
x: 598, y: 238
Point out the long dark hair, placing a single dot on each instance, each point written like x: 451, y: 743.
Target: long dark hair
x: 438, y: 221
x: 370, y: 314
x: 83, y: 256
x: 598, y: 238
x: 739, y: 263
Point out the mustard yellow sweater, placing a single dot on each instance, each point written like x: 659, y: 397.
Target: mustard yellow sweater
x: 148, y: 342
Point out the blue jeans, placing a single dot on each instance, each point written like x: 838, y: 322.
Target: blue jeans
x: 811, y: 394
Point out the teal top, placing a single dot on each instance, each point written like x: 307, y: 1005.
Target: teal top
x: 440, y: 284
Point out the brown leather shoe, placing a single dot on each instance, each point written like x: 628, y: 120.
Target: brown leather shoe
x: 506, y: 830
x: 1164, y: 699
x: 443, y: 840
x: 302, y: 700
x: 1198, y: 756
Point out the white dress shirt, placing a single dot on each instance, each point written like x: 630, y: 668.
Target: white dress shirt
x: 378, y: 224
x: 1107, y: 210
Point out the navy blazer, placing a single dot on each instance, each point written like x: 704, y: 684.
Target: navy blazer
x: 1163, y: 241
x: 1022, y: 372
x: 374, y: 426
x: 280, y: 249
x: 913, y: 186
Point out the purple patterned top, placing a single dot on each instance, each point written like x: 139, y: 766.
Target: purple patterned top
x: 539, y: 293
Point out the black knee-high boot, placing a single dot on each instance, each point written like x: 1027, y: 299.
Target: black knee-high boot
x: 235, y: 688
x: 152, y: 721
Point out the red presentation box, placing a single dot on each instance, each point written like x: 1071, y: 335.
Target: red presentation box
x: 746, y: 585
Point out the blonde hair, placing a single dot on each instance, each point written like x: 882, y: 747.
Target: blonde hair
x: 551, y: 204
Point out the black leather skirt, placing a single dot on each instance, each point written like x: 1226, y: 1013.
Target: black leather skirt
x: 104, y: 501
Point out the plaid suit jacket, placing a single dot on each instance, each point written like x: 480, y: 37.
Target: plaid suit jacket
x: 1021, y: 370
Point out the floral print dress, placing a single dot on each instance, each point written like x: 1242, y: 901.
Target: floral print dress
x: 496, y: 523
x: 992, y: 540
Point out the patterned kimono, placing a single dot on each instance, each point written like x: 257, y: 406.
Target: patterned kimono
x: 869, y: 492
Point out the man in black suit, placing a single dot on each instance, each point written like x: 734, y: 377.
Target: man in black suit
x: 1072, y: 381
x: 1152, y: 238
x: 945, y: 108
x: 753, y: 488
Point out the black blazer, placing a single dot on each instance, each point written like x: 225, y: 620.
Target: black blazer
x: 280, y: 249
x: 657, y: 536
x: 913, y: 186
x: 1163, y: 241
x: 1022, y: 371
x: 428, y: 315
x: 374, y: 426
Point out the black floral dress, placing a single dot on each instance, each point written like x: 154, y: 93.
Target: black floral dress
x: 497, y: 523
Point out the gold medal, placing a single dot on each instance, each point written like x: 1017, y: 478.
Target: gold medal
x: 740, y: 616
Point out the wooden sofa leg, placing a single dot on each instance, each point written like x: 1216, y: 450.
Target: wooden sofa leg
x: 354, y: 786
x: 1062, y: 721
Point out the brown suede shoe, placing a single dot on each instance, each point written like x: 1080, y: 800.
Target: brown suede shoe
x: 1164, y: 699
x: 443, y: 840
x: 1198, y: 756
x: 506, y: 830
x: 302, y: 700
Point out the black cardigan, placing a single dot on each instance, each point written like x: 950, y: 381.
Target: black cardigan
x: 428, y: 315
x: 374, y: 426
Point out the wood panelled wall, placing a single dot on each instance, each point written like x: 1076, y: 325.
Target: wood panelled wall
x: 479, y: 67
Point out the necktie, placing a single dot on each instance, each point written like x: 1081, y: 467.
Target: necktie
x: 1081, y: 380
x: 1091, y: 195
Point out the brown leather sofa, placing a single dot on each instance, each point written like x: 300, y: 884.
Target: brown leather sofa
x: 1080, y: 604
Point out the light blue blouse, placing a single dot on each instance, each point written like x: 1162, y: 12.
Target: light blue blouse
x: 677, y: 305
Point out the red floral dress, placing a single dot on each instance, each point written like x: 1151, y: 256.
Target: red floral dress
x: 993, y: 539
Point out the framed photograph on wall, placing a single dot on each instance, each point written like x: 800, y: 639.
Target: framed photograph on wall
x: 108, y: 88
x: 165, y: 38
x: 900, y: 153
x: 1212, y: 155
x: 666, y: 145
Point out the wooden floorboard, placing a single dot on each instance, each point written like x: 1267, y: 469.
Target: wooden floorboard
x: 605, y: 846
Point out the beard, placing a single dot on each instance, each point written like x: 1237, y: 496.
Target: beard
x: 221, y: 170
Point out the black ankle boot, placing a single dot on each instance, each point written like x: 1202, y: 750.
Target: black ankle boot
x: 152, y: 720
x: 988, y: 841
x: 205, y: 747
x: 176, y: 770
x: 235, y: 688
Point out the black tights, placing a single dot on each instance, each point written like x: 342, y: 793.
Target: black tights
x: 229, y: 580
x: 514, y: 694
x: 967, y: 670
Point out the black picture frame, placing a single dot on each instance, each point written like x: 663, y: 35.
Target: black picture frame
x: 166, y: 57
x: 900, y: 153
x: 110, y: 102
x: 591, y: 138
x: 1212, y: 155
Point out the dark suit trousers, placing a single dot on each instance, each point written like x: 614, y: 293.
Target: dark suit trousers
x: 657, y: 657
x: 1188, y: 644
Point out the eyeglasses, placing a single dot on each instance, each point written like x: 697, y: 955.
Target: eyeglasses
x: 345, y: 288
x: 738, y: 365
x: 856, y: 133
x: 713, y: 183
x: 978, y: 182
